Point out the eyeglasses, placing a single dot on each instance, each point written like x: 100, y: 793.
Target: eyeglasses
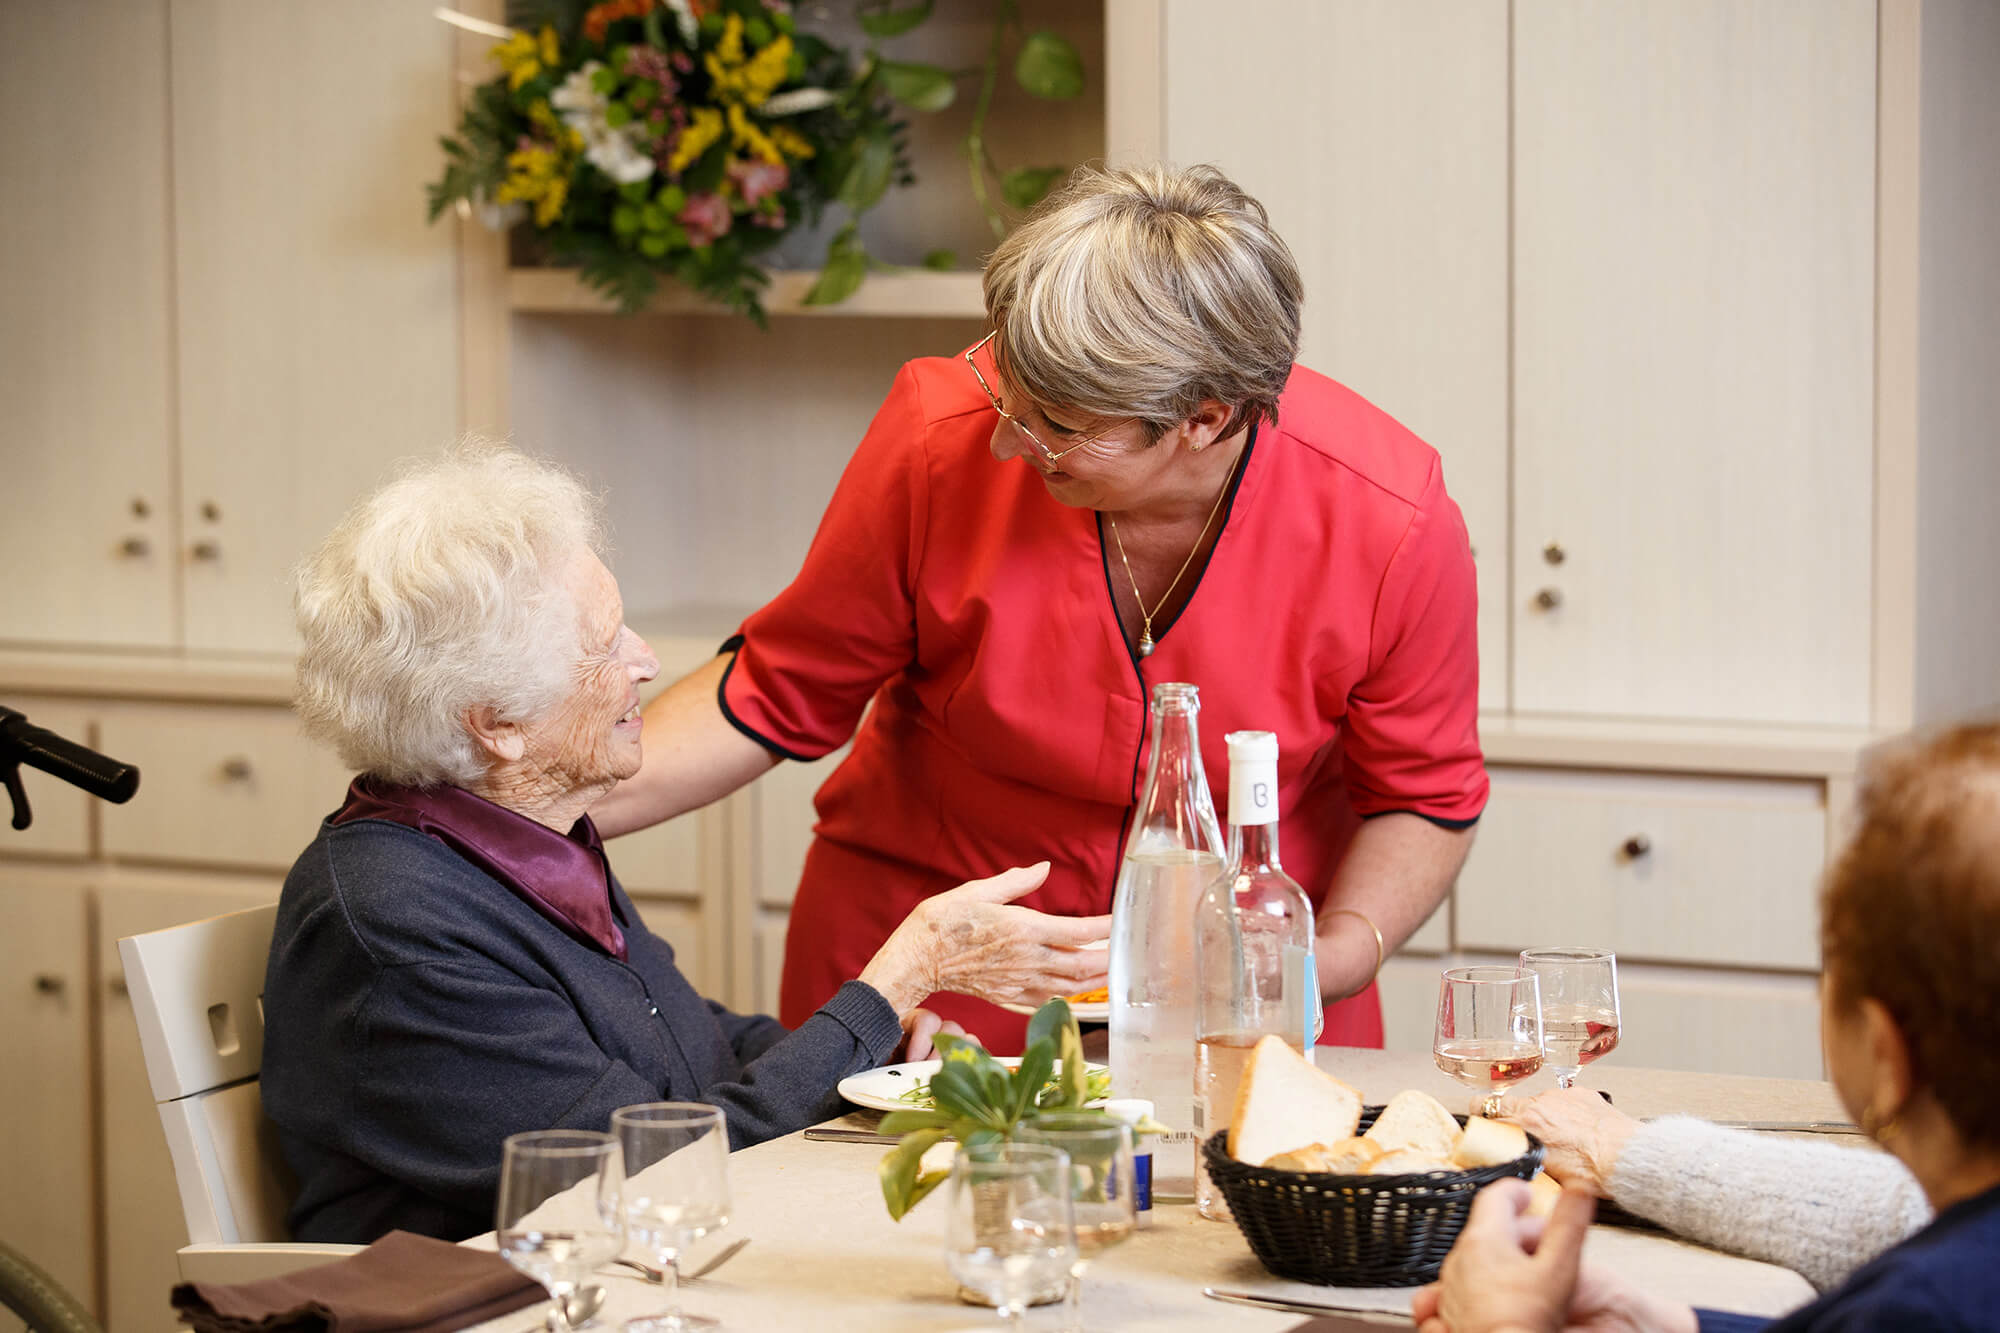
x: 1049, y: 456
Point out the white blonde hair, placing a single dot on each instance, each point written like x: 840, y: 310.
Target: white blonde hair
x: 440, y: 592
x: 1143, y: 291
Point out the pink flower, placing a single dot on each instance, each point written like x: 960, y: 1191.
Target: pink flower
x: 758, y: 179
x: 706, y: 216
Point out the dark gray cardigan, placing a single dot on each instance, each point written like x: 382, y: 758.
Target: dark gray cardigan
x: 417, y: 1012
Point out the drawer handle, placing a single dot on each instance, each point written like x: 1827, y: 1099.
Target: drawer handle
x: 1554, y: 553
x: 236, y: 768
x: 1637, y: 846
x: 206, y: 550
x: 134, y: 547
x: 1549, y: 598
x: 48, y: 984
x: 117, y: 986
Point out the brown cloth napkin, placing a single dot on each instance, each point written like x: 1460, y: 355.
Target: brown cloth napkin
x: 405, y: 1282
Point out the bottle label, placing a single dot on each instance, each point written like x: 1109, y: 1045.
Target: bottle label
x: 1253, y: 792
x: 1142, y: 1181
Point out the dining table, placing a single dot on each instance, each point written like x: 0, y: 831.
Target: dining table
x: 825, y: 1255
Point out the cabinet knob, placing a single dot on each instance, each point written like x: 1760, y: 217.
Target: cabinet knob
x: 47, y: 983
x: 134, y: 547
x: 1637, y: 846
x: 140, y: 508
x: 206, y: 550
x: 210, y: 510
x: 116, y: 986
x: 1549, y: 598
x: 1554, y: 553
x: 236, y: 768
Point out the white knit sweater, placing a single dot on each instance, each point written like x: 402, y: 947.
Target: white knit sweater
x: 1819, y: 1209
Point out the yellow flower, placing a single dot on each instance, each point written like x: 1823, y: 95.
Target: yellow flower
x: 524, y: 55
x: 748, y: 82
x: 744, y: 135
x: 537, y: 174
x: 704, y: 128
x: 791, y: 143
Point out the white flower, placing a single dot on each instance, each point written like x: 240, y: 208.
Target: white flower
x: 795, y: 102
x: 615, y: 152
x: 684, y: 15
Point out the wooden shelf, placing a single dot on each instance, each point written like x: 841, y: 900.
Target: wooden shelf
x: 916, y: 294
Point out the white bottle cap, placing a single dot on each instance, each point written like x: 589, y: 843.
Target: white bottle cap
x: 1129, y: 1109
x: 1253, y: 777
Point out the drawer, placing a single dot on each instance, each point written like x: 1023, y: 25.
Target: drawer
x: 1672, y: 869
x: 666, y: 859
x: 221, y: 784
x: 61, y: 812
x: 1719, y: 1022
x: 781, y: 804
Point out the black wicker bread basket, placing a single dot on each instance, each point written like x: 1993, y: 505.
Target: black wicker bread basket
x: 1353, y: 1231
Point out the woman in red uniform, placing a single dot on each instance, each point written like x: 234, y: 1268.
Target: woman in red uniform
x: 1128, y: 481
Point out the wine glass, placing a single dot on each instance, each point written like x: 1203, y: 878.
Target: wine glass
x: 676, y: 1192
x: 1579, y: 1006
x: 1011, y: 1230
x: 558, y: 1216
x: 1103, y: 1187
x: 1489, y: 1029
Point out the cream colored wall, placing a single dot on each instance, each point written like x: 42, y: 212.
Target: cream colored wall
x: 1958, y: 393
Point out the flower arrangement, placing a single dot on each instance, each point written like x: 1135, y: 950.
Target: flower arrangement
x: 642, y: 139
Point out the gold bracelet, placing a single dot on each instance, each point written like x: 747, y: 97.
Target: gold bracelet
x: 1381, y: 953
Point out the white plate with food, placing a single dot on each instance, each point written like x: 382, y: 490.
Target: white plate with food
x: 904, y: 1087
x: 1084, y: 1011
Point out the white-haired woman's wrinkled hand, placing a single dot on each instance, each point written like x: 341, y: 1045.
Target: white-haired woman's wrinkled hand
x: 973, y: 940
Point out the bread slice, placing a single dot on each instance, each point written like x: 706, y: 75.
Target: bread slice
x: 1415, y: 1120
x: 1284, y: 1103
x: 1408, y: 1161
x: 1542, y: 1194
x: 1349, y: 1157
x: 1488, y: 1143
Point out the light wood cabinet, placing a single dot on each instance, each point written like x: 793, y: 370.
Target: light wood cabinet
x: 224, y: 325
x: 47, y: 1210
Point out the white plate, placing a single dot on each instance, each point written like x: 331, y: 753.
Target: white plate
x: 882, y: 1089
x: 1090, y: 1011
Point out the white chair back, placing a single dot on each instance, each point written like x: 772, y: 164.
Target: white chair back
x: 197, y: 994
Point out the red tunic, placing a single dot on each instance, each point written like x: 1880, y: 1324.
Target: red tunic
x: 1009, y: 718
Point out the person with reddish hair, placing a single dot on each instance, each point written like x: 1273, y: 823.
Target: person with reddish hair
x: 1910, y: 1004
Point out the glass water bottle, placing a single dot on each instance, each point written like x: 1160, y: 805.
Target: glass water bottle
x: 1253, y: 948
x: 1171, y: 856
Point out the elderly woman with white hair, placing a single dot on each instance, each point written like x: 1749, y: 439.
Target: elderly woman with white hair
x: 454, y: 960
x: 1127, y: 481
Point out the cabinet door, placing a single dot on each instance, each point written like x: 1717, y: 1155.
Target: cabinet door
x: 144, y: 1227
x: 84, y: 360
x: 1693, y: 322
x: 1379, y: 145
x: 317, y: 312
x: 46, y: 1209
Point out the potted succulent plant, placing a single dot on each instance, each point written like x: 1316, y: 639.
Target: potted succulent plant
x: 975, y: 1098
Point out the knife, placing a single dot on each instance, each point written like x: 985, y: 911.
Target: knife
x: 1365, y: 1313
x: 1793, y: 1126
x: 825, y: 1135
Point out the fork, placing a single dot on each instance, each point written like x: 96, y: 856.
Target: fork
x: 652, y: 1274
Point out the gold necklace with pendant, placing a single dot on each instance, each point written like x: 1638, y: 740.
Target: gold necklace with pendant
x: 1145, y: 616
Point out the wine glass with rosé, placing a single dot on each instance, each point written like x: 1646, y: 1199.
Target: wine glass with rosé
x: 1489, y: 1030
x: 1579, y: 1007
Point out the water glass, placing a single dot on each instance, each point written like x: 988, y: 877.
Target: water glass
x: 676, y: 1192
x: 559, y: 1214
x: 1011, y: 1227
x: 1103, y: 1186
x: 1489, y: 1030
x: 1579, y: 1006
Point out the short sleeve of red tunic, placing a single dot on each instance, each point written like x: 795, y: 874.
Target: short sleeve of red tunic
x: 807, y: 664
